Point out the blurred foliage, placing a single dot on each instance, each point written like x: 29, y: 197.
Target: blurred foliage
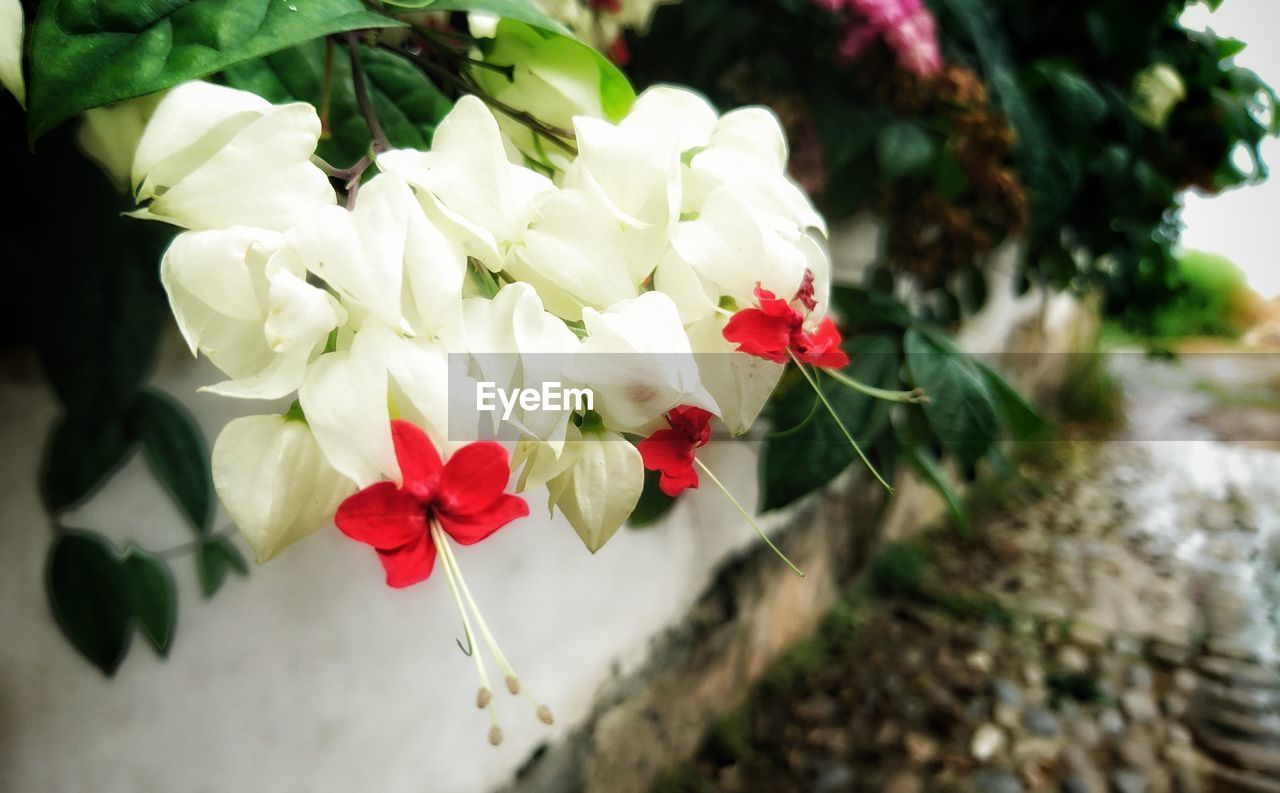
x: 1094, y: 169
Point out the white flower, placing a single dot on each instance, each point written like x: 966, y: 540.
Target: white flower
x: 573, y: 253
x: 740, y: 384
x: 515, y: 343
x: 213, y: 157
x: 109, y: 135
x: 638, y: 362
x: 242, y: 299
x: 467, y: 178
x: 12, y: 28
x: 274, y: 482
x: 600, y: 486
x: 348, y: 398
x: 387, y: 260
x: 1157, y: 90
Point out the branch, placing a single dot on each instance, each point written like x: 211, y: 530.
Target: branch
x: 380, y: 141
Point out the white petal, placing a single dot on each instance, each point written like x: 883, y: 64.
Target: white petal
x: 756, y: 132
x: 262, y: 175
x: 299, y: 315
x: 274, y: 482
x: 600, y: 491
x: 12, y: 28
x: 573, y: 255
x: 109, y: 135
x: 279, y: 378
x: 344, y: 397
x: 740, y: 384
x: 668, y: 112
x: 190, y: 124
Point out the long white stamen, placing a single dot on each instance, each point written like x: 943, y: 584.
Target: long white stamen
x: 746, y: 515
x: 513, y: 680
x: 484, y: 699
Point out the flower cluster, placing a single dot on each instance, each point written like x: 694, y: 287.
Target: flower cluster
x: 906, y: 26
x: 636, y: 269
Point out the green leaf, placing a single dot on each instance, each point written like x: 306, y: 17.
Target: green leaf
x: 177, y: 452
x: 653, y: 504
x: 520, y: 10
x: 95, y: 306
x: 86, y: 53
x: 959, y: 409
x: 903, y: 149
x: 931, y: 472
x: 1016, y: 411
x: 153, y: 598
x: 83, y: 452
x: 89, y: 597
x: 215, y: 558
x: 408, y: 105
x: 800, y: 462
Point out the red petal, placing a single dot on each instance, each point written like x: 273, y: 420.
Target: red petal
x: 757, y: 333
x: 693, y: 421
x: 822, y: 347
x: 774, y: 306
x: 419, y: 461
x: 409, y: 563
x: 473, y: 478
x: 383, y: 516
x: 675, y: 484
x: 470, y: 529
x: 669, y: 451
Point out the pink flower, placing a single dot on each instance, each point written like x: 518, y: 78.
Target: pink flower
x: 906, y: 26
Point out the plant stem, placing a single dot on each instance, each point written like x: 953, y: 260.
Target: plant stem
x: 913, y: 397
x: 839, y: 423
x: 747, y: 515
x: 380, y: 141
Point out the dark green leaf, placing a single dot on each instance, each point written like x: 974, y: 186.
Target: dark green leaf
x: 215, y: 558
x: 153, y: 598
x: 86, y: 53
x: 1016, y: 411
x: 796, y: 463
x: 177, y: 452
x: 83, y: 451
x: 90, y: 600
x: 94, y: 305
x: 653, y: 504
x: 903, y: 149
x: 931, y: 472
x: 959, y: 409
x: 408, y: 104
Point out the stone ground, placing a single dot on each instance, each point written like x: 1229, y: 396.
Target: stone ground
x: 1110, y: 624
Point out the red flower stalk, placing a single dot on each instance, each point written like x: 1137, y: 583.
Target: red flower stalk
x: 670, y: 451
x: 775, y: 331
x: 463, y: 496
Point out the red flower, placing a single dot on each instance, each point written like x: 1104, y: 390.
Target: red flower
x: 463, y: 496
x: 670, y: 451
x: 775, y: 331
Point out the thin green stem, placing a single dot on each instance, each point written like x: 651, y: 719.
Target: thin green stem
x: 380, y: 141
x: 839, y: 423
x: 747, y: 515
x: 913, y: 397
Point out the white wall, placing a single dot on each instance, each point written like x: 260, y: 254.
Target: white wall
x: 311, y: 674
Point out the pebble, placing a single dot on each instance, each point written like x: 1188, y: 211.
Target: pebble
x: 1042, y: 722
x: 1084, y: 731
x: 920, y: 748
x: 988, y: 741
x: 1185, y: 680
x: 1139, y: 676
x: 1006, y: 690
x: 1111, y: 722
x: 1073, y: 659
x: 1139, y: 705
x: 1127, y: 780
x: 903, y: 782
x: 833, y: 778
x: 996, y: 782
x: 1086, y: 635
x: 1007, y: 715
x: 1175, y: 705
x: 979, y: 661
